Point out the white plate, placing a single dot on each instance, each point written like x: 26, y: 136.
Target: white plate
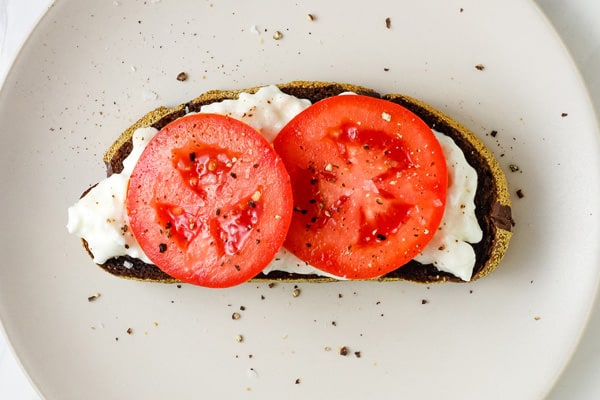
x: 91, y: 68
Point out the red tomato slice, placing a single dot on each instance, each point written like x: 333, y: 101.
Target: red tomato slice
x: 369, y: 183
x: 210, y: 201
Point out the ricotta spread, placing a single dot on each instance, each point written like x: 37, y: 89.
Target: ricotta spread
x: 100, y: 217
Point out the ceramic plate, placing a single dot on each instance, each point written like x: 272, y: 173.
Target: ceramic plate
x: 91, y: 68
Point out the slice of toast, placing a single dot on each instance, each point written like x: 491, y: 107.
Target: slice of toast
x: 493, y: 206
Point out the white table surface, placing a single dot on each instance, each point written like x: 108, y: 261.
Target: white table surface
x: 578, y: 24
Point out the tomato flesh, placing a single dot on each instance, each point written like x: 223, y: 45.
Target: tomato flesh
x: 369, y: 185
x: 209, y: 201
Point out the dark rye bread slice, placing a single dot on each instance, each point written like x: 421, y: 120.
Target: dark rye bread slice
x: 492, y: 198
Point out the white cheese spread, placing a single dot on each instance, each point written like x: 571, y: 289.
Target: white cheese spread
x: 101, y: 219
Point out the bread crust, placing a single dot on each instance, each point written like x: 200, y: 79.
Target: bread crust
x: 492, y: 199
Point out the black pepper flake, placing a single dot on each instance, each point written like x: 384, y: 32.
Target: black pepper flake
x: 480, y: 67
x: 357, y: 354
x: 308, y: 244
x: 386, y: 69
x: 513, y: 167
x: 381, y: 237
x: 343, y: 351
x: 564, y: 114
x: 297, y: 381
x: 182, y: 76
x: 192, y: 156
x: 271, y: 285
x: 520, y: 193
x: 162, y: 247
x: 93, y: 297
x: 388, y: 23
x: 424, y: 301
x: 237, y: 267
x: 233, y: 175
x: 129, y: 331
x: 251, y: 204
x: 494, y: 133
x: 218, y: 211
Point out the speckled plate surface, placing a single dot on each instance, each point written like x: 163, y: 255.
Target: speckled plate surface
x: 91, y: 68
